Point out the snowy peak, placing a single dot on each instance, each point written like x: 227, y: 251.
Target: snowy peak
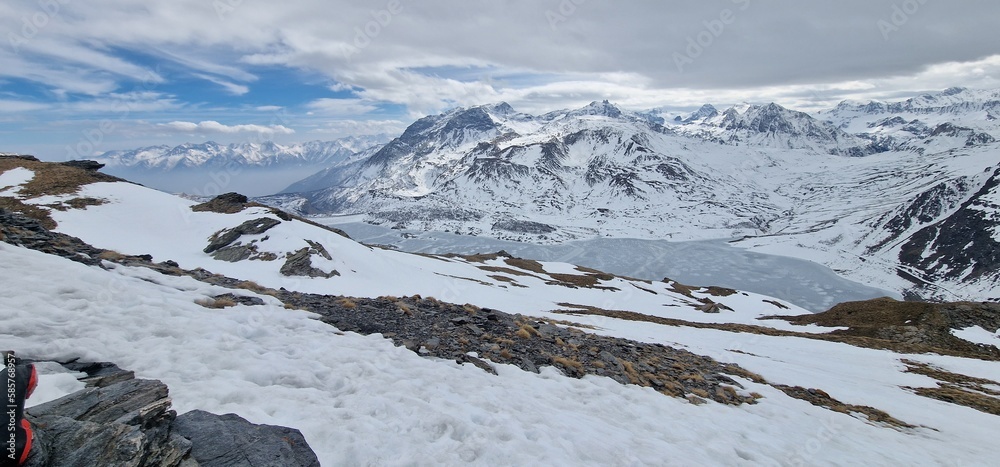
x: 773, y: 126
x: 706, y: 111
x: 601, y: 109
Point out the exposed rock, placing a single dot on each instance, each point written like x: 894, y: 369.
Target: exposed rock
x: 959, y: 247
x: 521, y: 226
x: 242, y: 300
x: 479, y: 336
x: 18, y: 229
x: 100, y: 374
x: 122, y: 421
x: 233, y: 253
x: 92, y: 166
x: 231, y: 441
x: 225, y: 237
x: 300, y: 264
x: 25, y: 157
x: 228, y: 203
x: 123, y: 424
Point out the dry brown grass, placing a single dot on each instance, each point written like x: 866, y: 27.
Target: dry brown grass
x: 50, y: 179
x: 254, y: 287
x: 526, y: 264
x: 347, y: 303
x: 216, y: 303
x: 111, y: 255
x: 957, y: 388
x: 503, y: 270
x: 567, y: 362
x: 719, y: 291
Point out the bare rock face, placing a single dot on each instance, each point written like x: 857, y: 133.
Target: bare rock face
x: 122, y: 421
x: 224, y: 238
x: 228, y: 203
x: 300, y: 262
x: 231, y: 441
x: 124, y: 424
x: 92, y: 166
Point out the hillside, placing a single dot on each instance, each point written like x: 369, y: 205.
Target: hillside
x: 242, y: 308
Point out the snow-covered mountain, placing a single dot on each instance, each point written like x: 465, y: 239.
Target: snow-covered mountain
x: 237, y: 308
x: 264, y: 154
x: 255, y: 168
x: 826, y: 183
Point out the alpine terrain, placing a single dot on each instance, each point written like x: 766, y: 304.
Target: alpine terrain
x: 239, y: 307
x: 898, y: 195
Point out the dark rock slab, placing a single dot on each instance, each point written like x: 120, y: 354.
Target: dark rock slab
x: 230, y: 441
x: 300, y: 263
x: 227, y: 203
x: 92, y: 166
x: 225, y: 237
x: 127, y: 423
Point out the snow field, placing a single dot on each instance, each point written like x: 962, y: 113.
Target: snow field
x: 361, y: 401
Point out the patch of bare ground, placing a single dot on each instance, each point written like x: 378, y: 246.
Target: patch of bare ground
x: 963, y: 348
x: 957, y: 388
x: 50, y: 179
x: 820, y: 398
x: 909, y: 326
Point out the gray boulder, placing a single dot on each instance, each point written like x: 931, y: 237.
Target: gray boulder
x: 231, y: 441
x: 121, y: 421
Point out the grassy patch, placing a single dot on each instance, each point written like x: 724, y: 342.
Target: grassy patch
x: 216, y: 303
x: 526, y: 264
x: 957, y: 388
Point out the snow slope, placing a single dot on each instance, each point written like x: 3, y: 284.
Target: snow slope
x: 360, y: 401
x: 137, y: 220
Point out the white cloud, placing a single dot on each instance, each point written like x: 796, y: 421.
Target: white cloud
x: 435, y: 55
x: 343, y: 128
x: 340, y: 107
x: 219, y: 128
x: 231, y: 88
x: 12, y: 106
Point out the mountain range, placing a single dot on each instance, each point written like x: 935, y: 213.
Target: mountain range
x: 899, y: 195
x: 210, y: 168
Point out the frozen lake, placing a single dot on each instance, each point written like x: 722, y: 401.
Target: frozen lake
x: 711, y: 262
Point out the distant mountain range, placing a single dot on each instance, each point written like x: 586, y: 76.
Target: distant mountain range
x: 899, y: 195
x: 206, y: 168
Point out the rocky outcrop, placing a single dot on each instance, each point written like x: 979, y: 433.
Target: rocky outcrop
x: 300, y: 262
x: 231, y: 441
x: 962, y: 247
x: 224, y: 238
x: 122, y: 421
x: 88, y: 165
x: 228, y: 203
x: 122, y: 424
x: 18, y: 229
x: 483, y: 336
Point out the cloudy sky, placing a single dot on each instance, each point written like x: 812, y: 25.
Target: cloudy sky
x: 79, y: 77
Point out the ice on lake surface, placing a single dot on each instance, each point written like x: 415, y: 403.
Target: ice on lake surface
x: 708, y: 262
